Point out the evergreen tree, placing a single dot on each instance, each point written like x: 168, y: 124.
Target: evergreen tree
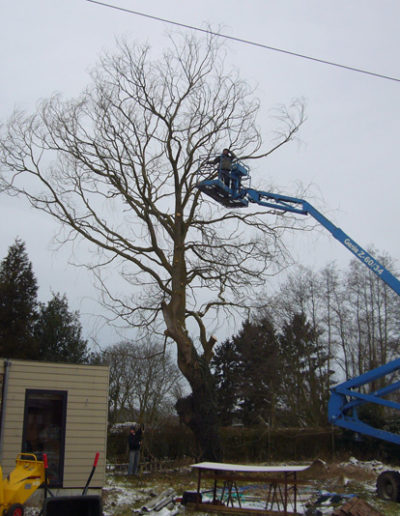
x: 303, y: 374
x: 279, y: 378
x: 246, y: 372
x: 18, y: 307
x: 225, y: 372
x: 59, y: 333
x: 258, y: 367
x: 33, y: 330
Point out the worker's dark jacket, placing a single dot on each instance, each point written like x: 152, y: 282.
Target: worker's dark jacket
x: 225, y: 162
x: 135, y: 440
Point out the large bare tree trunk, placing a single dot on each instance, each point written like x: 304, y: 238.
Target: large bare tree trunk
x: 199, y: 412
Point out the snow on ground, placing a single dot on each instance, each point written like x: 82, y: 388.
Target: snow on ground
x: 349, y: 479
x: 328, y: 486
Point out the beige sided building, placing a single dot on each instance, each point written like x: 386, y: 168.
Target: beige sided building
x: 59, y: 409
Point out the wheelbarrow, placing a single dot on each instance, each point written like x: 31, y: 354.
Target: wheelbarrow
x: 83, y: 505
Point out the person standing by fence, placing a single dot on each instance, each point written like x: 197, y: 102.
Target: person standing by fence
x: 134, y: 442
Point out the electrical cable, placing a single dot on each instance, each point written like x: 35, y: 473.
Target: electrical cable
x: 248, y: 42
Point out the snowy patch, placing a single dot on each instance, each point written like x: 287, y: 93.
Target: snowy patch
x: 141, y: 496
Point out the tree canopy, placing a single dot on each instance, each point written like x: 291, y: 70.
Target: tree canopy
x: 119, y: 165
x: 144, y: 382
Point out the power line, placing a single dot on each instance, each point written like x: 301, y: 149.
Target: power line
x: 248, y: 42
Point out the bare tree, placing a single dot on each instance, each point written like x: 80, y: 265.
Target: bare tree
x: 144, y: 382
x: 373, y: 336
x: 354, y: 316
x: 118, y: 167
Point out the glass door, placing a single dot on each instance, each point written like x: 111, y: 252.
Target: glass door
x: 44, y: 429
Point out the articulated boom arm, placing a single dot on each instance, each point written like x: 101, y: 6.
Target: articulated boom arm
x: 345, y: 399
x: 242, y: 197
x: 294, y: 205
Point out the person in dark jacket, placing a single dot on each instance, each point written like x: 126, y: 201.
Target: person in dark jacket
x: 134, y: 442
x: 224, y: 162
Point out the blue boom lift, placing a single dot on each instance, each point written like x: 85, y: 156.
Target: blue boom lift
x: 345, y: 397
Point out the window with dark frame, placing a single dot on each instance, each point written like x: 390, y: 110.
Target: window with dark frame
x: 44, y: 429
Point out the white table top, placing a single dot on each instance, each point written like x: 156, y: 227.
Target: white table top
x: 241, y: 468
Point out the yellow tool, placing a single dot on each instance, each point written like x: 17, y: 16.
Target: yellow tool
x: 27, y: 476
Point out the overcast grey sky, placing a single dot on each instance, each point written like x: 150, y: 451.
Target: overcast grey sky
x: 348, y: 154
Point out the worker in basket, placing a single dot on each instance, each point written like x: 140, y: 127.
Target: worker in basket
x: 224, y: 162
